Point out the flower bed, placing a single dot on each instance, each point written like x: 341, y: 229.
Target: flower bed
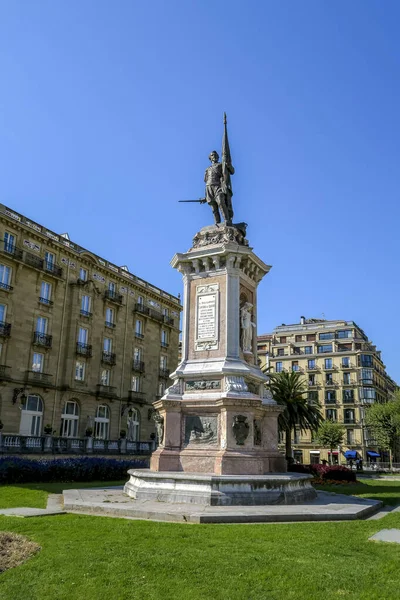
x: 326, y: 473
x: 22, y: 470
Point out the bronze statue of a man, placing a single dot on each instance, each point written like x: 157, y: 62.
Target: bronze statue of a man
x: 219, y: 189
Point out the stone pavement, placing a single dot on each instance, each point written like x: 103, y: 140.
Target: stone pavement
x: 113, y: 502
x: 387, y: 535
x: 54, y: 507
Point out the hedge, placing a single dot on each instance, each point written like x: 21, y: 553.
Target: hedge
x: 23, y: 470
x: 325, y: 472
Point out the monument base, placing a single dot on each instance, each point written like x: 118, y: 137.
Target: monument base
x: 219, y: 490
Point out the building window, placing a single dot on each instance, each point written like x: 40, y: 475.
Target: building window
x: 132, y: 424
x: 298, y: 338
x: 83, y: 335
x: 295, y: 365
x: 105, y: 377
x: 311, y: 337
x: 3, y: 313
x: 280, y: 352
x: 9, y: 242
x: 83, y: 274
x: 86, y: 306
x: 163, y: 362
x: 37, y: 362
x: 350, y: 437
x: 282, y: 339
x: 137, y: 355
x: 366, y: 360
x: 279, y: 367
x: 107, y: 345
x: 348, y: 415
x: 331, y: 414
x: 70, y: 419
x: 328, y: 378
x: 367, y: 376
x: 311, y: 363
x: 135, y: 383
x: 49, y: 259
x: 330, y: 396
x: 110, y: 317
x: 31, y: 416
x: 140, y: 300
x: 346, y: 378
x: 139, y: 328
x: 45, y: 292
x: 164, y: 338
x: 5, y: 276
x: 102, y: 422
x: 345, y: 361
x: 324, y: 348
x: 328, y: 363
x: 311, y: 379
x: 313, y: 396
x: 112, y: 287
x: 307, y: 349
x: 79, y: 370
x: 326, y: 336
x: 344, y: 333
x: 165, y: 312
x: 367, y: 394
x: 41, y: 325
x: 161, y: 388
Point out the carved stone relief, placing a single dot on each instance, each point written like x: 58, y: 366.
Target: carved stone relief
x: 234, y: 383
x: 257, y: 432
x: 192, y: 386
x: 201, y: 430
x: 241, y: 429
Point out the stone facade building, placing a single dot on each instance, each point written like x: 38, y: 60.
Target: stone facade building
x: 83, y: 343
x: 343, y: 371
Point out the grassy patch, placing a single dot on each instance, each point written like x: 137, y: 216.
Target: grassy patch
x: 35, y: 494
x: 98, y: 557
x: 386, y: 491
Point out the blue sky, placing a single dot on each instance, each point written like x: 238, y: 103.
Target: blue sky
x: 108, y: 111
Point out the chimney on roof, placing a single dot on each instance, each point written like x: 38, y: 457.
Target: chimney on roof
x: 302, y: 320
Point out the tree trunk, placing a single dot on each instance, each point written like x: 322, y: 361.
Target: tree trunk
x: 330, y: 457
x: 288, y: 445
x: 390, y: 460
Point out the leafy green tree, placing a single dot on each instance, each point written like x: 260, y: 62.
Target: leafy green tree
x: 383, y: 420
x: 330, y: 435
x: 289, y: 390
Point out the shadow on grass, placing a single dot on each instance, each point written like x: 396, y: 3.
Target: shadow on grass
x: 387, y: 492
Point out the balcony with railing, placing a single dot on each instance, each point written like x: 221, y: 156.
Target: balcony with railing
x: 11, y: 249
x: 330, y: 367
x: 110, y: 324
x: 42, y: 339
x: 85, y: 313
x: 83, y: 349
x: 349, y: 421
x: 113, y: 296
x: 347, y: 366
x: 38, y: 378
x: 164, y: 344
x: 169, y: 320
x: 39, y: 263
x: 5, y: 329
x: 52, y: 268
x: 109, y: 358
x: 46, y: 301
x: 138, y: 366
x: 164, y: 373
x: 141, y: 308
x: 313, y: 384
x: 331, y: 383
x: 137, y: 397
x: 5, y: 286
x: 106, y: 391
x: 139, y: 335
x: 312, y: 368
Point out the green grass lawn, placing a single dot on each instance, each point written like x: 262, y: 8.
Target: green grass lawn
x: 386, y: 491
x: 98, y: 558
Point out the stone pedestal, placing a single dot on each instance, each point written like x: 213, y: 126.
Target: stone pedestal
x: 216, y: 418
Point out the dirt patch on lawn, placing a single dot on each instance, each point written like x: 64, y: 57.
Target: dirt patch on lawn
x: 15, y: 549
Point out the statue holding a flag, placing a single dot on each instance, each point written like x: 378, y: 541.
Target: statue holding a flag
x: 218, y: 182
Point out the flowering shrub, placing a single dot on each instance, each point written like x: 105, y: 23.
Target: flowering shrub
x: 23, y: 470
x: 325, y: 473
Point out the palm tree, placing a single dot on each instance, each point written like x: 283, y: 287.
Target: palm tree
x: 288, y: 390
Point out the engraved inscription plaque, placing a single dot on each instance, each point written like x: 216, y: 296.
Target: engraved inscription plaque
x: 207, y: 317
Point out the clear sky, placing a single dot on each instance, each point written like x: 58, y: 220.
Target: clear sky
x: 108, y: 111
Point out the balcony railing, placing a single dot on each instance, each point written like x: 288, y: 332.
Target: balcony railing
x: 164, y: 344
x: 330, y: 368
x: 83, y: 349
x: 141, y: 308
x: 5, y: 286
x: 109, y: 358
x: 39, y: 263
x: 42, y: 339
x: 348, y: 366
x: 138, y: 366
x: 113, y: 296
x: 348, y: 400
x: 38, y: 378
x: 16, y: 444
x: 106, y: 391
x: 349, y: 421
x: 5, y: 329
x: 164, y: 373
x: 330, y: 401
x: 138, y: 397
x: 155, y: 314
x: 110, y: 324
x: 313, y: 384
x: 312, y: 368
x: 138, y: 335
x: 85, y: 313
x: 11, y: 249
x: 52, y: 268
x: 46, y: 301
x: 168, y: 320
x: 5, y: 372
x: 330, y: 383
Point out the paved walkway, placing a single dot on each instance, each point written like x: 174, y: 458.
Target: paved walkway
x: 54, y: 507
x: 113, y: 502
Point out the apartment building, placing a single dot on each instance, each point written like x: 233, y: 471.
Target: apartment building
x: 83, y: 343
x: 343, y: 371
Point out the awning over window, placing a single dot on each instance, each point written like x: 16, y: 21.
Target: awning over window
x: 373, y: 454
x: 350, y: 454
